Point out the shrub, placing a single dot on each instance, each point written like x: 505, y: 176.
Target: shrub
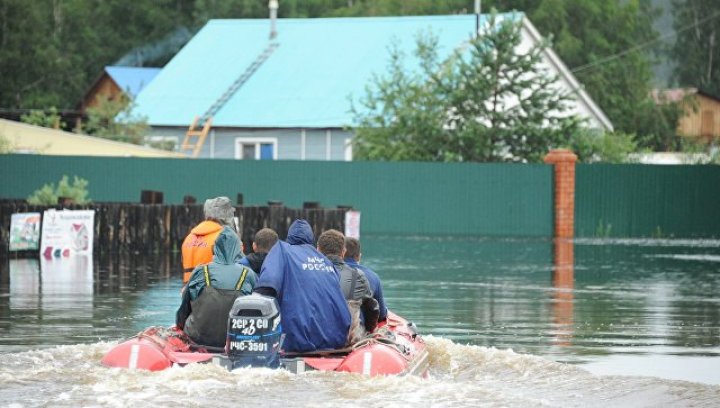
x: 48, y: 194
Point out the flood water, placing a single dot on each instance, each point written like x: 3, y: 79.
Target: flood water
x: 508, y: 322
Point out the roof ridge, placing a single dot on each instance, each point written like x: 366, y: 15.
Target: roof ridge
x: 304, y: 20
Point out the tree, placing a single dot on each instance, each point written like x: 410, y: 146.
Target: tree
x: 49, y: 118
x: 114, y: 119
x: 52, y: 50
x: 603, y: 44
x: 697, y: 46
x: 49, y: 194
x: 486, y: 102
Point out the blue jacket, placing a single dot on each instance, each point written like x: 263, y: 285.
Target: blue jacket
x: 375, y: 285
x: 314, y: 313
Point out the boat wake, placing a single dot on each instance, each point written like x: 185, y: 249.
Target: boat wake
x: 459, y: 376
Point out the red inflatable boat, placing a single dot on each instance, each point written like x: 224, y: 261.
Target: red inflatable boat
x: 394, y: 348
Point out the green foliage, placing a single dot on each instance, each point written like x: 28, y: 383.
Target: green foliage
x: 51, y: 51
x: 610, y: 147
x: 697, y: 50
x: 603, y: 230
x: 113, y: 119
x: 594, y: 38
x: 50, y: 55
x: 48, y: 194
x: 486, y: 102
x: 49, y: 118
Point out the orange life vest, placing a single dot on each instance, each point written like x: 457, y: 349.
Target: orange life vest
x: 197, y: 249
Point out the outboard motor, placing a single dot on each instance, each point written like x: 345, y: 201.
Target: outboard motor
x: 254, y: 333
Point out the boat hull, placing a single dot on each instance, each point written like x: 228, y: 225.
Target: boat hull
x: 394, y: 348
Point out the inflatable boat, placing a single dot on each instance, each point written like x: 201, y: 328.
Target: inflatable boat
x: 255, y: 337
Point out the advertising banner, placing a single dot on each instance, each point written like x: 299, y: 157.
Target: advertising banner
x: 67, y: 232
x: 352, y: 224
x: 24, y: 231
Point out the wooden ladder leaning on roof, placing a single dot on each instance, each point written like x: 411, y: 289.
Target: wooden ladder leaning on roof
x: 197, y: 135
x: 206, y: 119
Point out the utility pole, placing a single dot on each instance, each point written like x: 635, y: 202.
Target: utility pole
x: 478, y: 11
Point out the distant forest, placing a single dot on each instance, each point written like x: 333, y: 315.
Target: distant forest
x: 51, y: 51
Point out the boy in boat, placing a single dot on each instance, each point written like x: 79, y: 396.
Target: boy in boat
x: 354, y: 285
x: 197, y: 248
x: 352, y: 258
x: 211, y: 291
x: 264, y: 240
x: 306, y: 286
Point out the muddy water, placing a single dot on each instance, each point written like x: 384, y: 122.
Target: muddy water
x: 635, y: 323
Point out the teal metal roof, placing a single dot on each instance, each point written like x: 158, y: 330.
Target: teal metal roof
x: 132, y: 79
x: 308, y: 80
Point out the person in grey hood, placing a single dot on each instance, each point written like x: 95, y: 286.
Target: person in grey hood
x: 211, y: 291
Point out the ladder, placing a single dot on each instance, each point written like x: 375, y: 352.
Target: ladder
x: 249, y: 71
x: 195, y: 136
x: 206, y: 119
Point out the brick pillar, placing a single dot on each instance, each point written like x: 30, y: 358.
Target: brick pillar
x: 563, y: 162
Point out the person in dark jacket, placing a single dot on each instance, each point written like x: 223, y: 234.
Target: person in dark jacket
x: 306, y: 286
x: 211, y: 291
x: 354, y: 284
x: 264, y: 240
x: 352, y: 258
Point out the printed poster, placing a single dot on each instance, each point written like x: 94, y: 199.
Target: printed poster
x: 352, y: 224
x: 66, y: 233
x: 24, y: 231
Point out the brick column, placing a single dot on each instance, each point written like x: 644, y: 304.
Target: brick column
x: 563, y: 162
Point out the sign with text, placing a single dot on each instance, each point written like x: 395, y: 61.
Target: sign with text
x: 67, y: 232
x: 352, y: 224
x: 24, y: 231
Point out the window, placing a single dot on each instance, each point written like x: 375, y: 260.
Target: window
x: 256, y: 148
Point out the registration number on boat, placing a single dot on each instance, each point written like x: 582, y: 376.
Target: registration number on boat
x: 248, y: 346
x: 245, y: 323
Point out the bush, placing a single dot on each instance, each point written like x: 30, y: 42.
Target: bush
x: 48, y: 119
x: 49, y: 194
x: 615, y: 147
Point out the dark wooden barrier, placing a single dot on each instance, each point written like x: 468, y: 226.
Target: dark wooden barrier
x: 146, y: 228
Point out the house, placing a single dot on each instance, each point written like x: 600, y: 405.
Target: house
x: 702, y: 111
x: 30, y: 139
x: 289, y: 98
x: 116, y: 81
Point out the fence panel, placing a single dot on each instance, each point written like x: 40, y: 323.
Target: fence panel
x: 406, y: 198
x: 634, y: 200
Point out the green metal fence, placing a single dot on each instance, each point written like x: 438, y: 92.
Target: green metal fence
x: 647, y: 201
x: 406, y: 198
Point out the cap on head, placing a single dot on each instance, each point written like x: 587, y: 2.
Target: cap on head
x: 219, y: 208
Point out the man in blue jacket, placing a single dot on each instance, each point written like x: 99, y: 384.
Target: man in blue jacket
x: 314, y: 313
x: 352, y: 258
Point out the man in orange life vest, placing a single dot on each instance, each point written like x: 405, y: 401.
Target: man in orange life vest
x: 197, y: 249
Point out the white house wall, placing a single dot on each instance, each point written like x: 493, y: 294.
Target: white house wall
x: 318, y: 144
